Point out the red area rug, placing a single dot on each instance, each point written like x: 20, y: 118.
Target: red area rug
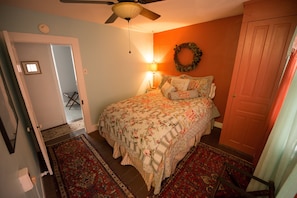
x: 81, y: 171
x: 196, y: 174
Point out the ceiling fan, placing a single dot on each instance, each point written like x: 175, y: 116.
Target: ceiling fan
x: 126, y: 9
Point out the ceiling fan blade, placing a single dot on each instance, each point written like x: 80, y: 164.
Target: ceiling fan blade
x: 147, y: 1
x: 111, y: 19
x: 149, y: 14
x: 91, y: 2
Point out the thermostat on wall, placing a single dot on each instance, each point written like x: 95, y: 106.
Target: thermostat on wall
x: 43, y: 28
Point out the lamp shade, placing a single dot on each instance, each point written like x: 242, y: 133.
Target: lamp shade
x: 127, y: 10
x: 154, y: 67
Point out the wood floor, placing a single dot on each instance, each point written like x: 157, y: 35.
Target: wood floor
x: 127, y: 174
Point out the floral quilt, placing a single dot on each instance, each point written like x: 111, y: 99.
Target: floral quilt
x: 147, y: 125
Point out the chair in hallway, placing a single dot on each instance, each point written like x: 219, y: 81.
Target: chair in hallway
x: 73, y: 98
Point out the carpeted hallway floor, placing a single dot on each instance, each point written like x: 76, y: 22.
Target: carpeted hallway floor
x: 62, y: 130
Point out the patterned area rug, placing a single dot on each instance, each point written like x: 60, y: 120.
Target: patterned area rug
x: 81, y: 172
x: 62, y: 130
x: 196, y: 174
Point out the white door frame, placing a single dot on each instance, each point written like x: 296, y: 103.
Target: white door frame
x: 21, y: 81
x: 73, y: 42
x: 13, y: 37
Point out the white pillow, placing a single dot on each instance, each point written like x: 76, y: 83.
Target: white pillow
x: 167, y: 88
x: 212, y: 92
x: 180, y: 84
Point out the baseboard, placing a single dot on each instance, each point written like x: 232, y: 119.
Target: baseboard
x: 93, y: 128
x: 218, y: 124
x: 42, y: 187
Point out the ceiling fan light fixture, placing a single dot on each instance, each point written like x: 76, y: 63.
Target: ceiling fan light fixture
x: 127, y: 10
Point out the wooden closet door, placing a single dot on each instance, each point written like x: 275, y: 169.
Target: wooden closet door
x: 255, y: 82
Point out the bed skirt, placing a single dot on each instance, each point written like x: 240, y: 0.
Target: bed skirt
x: 173, y: 156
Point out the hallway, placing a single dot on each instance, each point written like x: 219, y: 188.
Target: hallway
x: 72, y: 114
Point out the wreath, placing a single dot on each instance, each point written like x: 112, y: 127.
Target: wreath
x: 196, y: 58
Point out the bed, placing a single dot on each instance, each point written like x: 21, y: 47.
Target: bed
x: 154, y: 131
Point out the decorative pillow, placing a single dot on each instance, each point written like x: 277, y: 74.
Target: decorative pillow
x: 180, y: 84
x: 212, y: 93
x: 167, y: 88
x: 167, y: 78
x: 202, y: 84
x: 178, y: 95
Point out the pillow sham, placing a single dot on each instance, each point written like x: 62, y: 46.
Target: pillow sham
x: 167, y: 78
x: 202, y: 84
x: 167, y: 88
x: 179, y: 95
x: 180, y: 84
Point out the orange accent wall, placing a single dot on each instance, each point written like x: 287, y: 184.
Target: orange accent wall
x: 218, y: 41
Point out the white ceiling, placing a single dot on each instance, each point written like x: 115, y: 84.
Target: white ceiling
x: 174, y: 13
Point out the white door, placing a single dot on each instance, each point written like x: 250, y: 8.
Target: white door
x: 24, y: 91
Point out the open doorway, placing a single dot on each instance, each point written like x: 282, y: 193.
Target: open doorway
x: 47, y: 88
x: 13, y: 38
x: 63, y: 62
x: 58, y: 40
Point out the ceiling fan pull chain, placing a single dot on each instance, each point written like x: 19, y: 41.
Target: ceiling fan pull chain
x: 129, y: 36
